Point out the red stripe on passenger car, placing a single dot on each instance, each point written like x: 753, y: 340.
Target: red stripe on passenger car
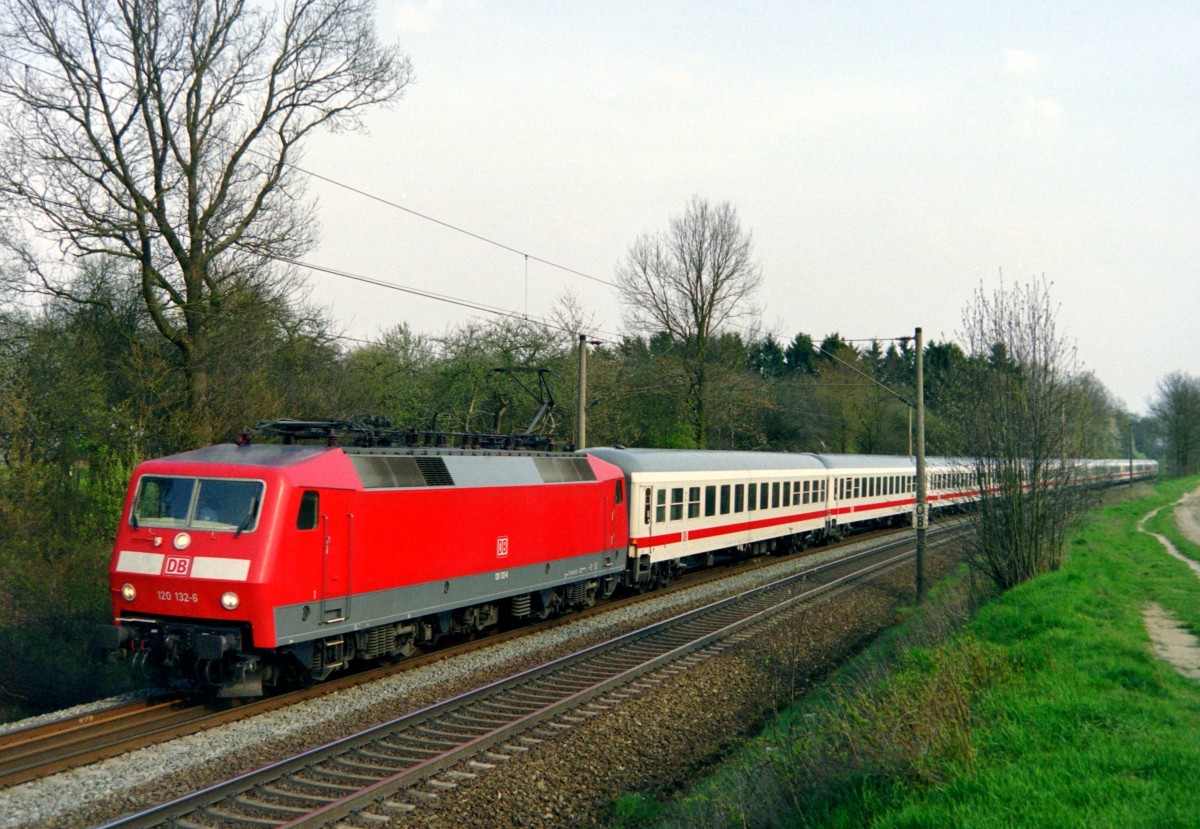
x: 743, y: 526
x: 658, y: 540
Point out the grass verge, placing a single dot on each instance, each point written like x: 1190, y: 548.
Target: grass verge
x: 1164, y: 524
x: 1047, y: 708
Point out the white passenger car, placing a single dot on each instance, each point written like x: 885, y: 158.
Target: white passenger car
x: 685, y: 504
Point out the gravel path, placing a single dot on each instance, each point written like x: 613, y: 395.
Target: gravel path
x: 654, y: 741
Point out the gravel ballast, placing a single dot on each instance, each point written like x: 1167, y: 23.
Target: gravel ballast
x: 653, y: 741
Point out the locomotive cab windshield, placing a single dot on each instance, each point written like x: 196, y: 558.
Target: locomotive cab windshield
x: 219, y: 505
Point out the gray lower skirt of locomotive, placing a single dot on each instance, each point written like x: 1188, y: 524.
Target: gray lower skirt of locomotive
x: 346, y: 614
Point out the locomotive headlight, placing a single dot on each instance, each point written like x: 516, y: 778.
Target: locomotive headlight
x: 128, y: 593
x: 230, y: 600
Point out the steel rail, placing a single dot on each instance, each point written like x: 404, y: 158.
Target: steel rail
x: 39, y: 751
x: 492, y: 723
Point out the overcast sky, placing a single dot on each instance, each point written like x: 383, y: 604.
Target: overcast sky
x: 888, y: 159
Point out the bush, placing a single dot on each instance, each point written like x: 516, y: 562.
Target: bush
x: 55, y: 526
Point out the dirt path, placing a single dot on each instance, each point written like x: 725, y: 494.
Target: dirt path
x: 1187, y: 515
x: 1169, y: 639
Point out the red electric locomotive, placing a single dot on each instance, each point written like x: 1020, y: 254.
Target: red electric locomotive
x: 246, y: 565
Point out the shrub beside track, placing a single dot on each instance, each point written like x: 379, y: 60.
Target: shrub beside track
x: 1077, y: 722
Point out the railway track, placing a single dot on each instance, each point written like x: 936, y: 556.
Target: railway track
x: 38, y: 752
x: 362, y: 780
x: 35, y: 752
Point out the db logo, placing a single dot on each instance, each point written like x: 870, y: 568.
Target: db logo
x: 177, y: 566
x: 502, y: 546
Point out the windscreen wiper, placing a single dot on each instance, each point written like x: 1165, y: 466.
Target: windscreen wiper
x: 249, y: 517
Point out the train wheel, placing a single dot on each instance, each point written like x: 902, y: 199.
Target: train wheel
x: 589, y: 598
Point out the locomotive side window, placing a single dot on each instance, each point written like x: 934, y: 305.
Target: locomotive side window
x: 310, y: 502
x: 619, y: 494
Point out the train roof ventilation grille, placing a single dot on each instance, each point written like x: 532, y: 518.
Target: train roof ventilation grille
x: 434, y: 471
x: 564, y: 470
x: 387, y: 472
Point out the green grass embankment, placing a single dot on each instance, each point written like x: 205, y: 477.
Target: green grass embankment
x: 1047, y: 709
x: 1164, y: 524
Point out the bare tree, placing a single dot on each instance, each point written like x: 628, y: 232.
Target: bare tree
x: 691, y: 282
x: 1017, y: 407
x: 1176, y: 416
x: 163, y: 132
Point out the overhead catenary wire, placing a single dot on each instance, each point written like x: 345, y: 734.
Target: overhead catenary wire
x: 463, y: 303
x: 451, y: 226
x: 609, y: 337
